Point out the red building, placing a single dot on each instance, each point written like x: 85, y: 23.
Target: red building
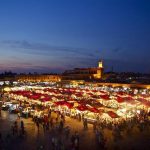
x: 84, y: 73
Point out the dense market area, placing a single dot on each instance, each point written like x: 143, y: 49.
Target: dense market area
x: 116, y: 109
x: 94, y: 105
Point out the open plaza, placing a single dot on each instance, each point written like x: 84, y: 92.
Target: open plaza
x: 41, y: 116
x: 74, y: 75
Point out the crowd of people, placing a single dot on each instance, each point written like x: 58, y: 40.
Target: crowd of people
x: 17, y: 130
x: 60, y: 133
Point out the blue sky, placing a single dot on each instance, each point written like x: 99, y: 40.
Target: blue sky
x: 54, y: 35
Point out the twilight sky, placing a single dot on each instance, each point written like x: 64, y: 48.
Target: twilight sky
x: 54, y: 35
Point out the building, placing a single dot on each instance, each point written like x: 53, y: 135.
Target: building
x: 93, y: 73
x: 38, y: 78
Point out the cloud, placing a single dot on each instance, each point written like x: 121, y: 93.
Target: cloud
x: 60, y: 58
x: 44, y: 49
x: 27, y: 67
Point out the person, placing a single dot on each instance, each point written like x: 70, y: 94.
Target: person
x: 19, y: 115
x: 56, y: 143
x: 53, y: 142
x: 47, y: 125
x: 72, y: 140
x: 94, y: 126
x: 51, y: 122
x: 44, y: 126
x: 49, y: 113
x: 85, y: 123
x: 103, y: 143
x: 37, y: 124
x: 98, y: 137
x: 56, y: 119
x: 76, y: 140
x: 61, y: 124
x: 13, y: 130
x: 67, y: 131
x: 15, y: 127
x: 22, y: 127
x: 79, y: 117
x: 63, y: 117
x: 83, y: 117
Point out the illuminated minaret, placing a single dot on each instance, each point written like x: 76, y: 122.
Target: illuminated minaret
x: 99, y: 70
x: 100, y: 64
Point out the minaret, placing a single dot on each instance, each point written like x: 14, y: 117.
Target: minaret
x: 100, y: 64
x: 99, y: 70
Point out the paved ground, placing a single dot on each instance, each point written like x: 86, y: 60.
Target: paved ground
x: 134, y: 140
x: 35, y: 138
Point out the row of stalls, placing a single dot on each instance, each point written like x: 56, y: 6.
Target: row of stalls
x: 94, y: 104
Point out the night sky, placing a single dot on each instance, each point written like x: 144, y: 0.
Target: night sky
x: 55, y: 35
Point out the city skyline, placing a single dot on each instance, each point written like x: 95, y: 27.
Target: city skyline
x: 53, y: 36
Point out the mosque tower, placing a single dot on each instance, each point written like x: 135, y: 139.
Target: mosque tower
x: 99, y: 72
x: 100, y: 64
